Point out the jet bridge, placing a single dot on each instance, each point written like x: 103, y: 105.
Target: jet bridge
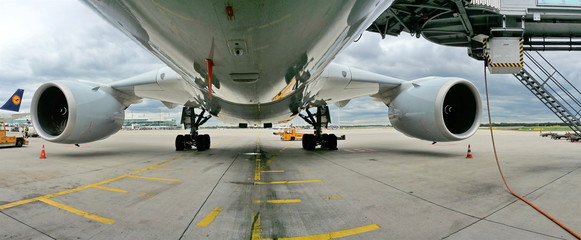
x: 543, y: 25
x: 500, y: 32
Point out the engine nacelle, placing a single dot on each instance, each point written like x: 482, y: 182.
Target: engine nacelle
x: 75, y: 112
x: 437, y: 109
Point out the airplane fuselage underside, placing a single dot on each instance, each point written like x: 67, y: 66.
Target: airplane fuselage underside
x: 265, y: 56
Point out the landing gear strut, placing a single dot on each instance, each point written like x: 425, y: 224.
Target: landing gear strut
x: 321, y: 119
x: 193, y: 121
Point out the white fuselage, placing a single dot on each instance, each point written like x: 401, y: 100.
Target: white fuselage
x: 267, y: 55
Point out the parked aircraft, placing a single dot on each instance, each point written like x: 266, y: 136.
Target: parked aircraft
x: 12, y: 104
x: 252, y: 62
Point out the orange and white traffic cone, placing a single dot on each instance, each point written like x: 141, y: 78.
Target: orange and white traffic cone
x: 469, y: 155
x: 42, y: 153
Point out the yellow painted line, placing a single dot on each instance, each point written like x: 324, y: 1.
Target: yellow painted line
x: 14, y: 204
x: 77, y: 211
x: 25, y: 201
x: 257, y: 161
x: 334, y: 235
x: 111, y: 189
x: 156, y: 165
x: 157, y: 168
x: 256, y: 228
x: 21, y: 202
x: 147, y: 195
x: 257, y: 169
x: 154, y: 178
x: 279, y: 201
x: 285, y: 182
x: 272, y: 171
x: 83, y: 187
x: 332, y: 197
x: 210, y: 218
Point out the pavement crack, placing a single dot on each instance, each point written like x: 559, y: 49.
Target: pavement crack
x: 208, y: 197
x: 25, y: 224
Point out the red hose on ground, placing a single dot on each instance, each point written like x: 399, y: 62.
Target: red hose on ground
x: 502, y: 175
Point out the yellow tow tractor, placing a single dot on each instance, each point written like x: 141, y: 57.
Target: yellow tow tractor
x: 5, y: 140
x: 291, y: 134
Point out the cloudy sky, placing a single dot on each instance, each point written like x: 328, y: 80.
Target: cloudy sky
x: 41, y: 41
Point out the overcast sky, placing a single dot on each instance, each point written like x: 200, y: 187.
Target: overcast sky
x: 42, y: 41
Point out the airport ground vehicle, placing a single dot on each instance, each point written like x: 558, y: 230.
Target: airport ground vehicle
x: 5, y: 140
x: 290, y: 134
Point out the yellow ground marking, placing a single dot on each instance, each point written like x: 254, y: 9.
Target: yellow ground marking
x: 334, y: 235
x: 257, y: 160
x: 257, y: 169
x: 77, y: 211
x: 18, y: 203
x: 332, y: 197
x: 210, y: 218
x: 111, y: 189
x: 25, y: 201
x: 147, y: 195
x: 154, y: 178
x: 285, y: 182
x: 279, y: 201
x: 272, y: 171
x: 256, y: 228
x: 156, y: 165
x: 257, y: 232
x: 158, y: 168
x: 14, y: 204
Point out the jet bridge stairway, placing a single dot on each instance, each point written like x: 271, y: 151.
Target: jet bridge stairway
x: 553, y: 89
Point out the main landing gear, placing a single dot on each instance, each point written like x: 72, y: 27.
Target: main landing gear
x: 193, y: 121
x: 321, y: 119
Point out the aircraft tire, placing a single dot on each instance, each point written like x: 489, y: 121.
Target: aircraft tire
x: 208, y: 141
x: 187, y: 141
x: 332, y: 142
x: 309, y: 142
x: 324, y: 140
x: 180, y: 142
x: 19, y: 142
x: 203, y: 142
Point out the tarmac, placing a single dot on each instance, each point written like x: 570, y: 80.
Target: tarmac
x: 380, y: 184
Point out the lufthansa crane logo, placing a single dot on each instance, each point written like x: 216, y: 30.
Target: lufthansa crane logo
x: 16, y: 100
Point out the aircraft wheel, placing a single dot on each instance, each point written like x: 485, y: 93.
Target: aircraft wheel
x: 203, y: 142
x: 180, y: 142
x: 324, y: 140
x: 188, y: 141
x: 19, y: 142
x: 309, y: 142
x: 208, y: 141
x: 332, y: 142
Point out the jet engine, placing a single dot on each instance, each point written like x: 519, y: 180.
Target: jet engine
x: 436, y: 109
x: 76, y: 112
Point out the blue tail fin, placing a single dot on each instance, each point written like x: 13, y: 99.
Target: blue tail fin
x: 13, y: 104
